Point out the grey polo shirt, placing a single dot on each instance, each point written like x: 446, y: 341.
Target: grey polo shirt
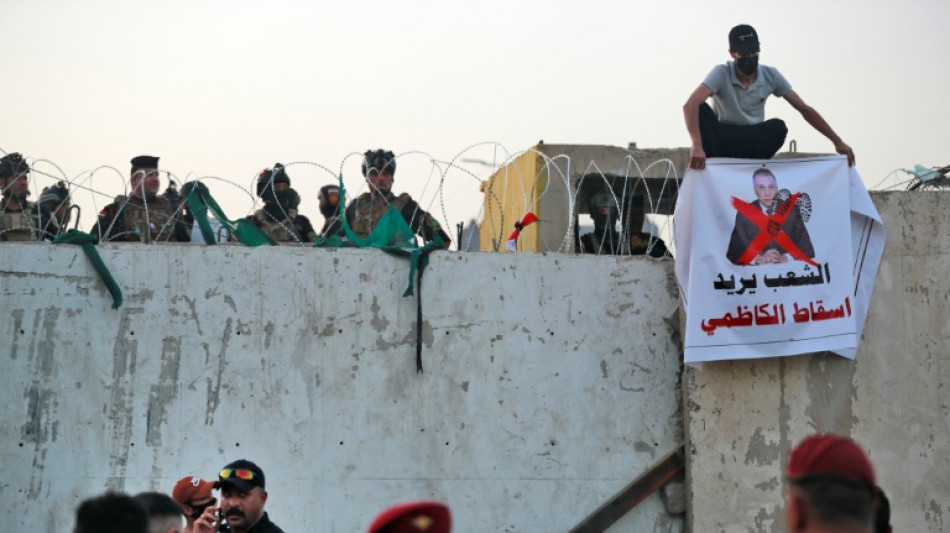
x: 733, y: 103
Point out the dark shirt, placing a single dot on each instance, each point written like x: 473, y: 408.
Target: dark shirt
x: 264, y: 525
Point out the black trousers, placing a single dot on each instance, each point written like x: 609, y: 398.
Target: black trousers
x: 754, y: 141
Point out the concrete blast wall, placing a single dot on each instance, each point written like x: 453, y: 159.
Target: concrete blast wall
x: 550, y: 382
x: 743, y: 417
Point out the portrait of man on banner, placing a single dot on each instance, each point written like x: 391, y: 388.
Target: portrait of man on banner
x: 771, y: 229
x: 771, y: 275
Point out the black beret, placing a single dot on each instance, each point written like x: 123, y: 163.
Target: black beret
x: 144, y: 161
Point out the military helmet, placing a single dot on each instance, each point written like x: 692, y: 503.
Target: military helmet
x: 12, y: 164
x: 275, y: 175
x: 329, y: 198
x: 599, y: 198
x: 380, y: 161
x: 291, y: 197
x: 55, y: 195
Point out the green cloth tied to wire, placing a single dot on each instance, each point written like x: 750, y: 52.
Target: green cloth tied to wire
x: 200, y: 202
x: 394, y: 236
x: 87, y: 242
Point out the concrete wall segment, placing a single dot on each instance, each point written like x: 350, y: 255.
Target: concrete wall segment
x: 742, y: 417
x: 550, y: 381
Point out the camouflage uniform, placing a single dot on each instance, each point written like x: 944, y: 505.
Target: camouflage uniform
x: 299, y: 224
x: 17, y: 225
x: 134, y: 220
x: 365, y: 212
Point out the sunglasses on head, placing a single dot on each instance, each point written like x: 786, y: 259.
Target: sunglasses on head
x: 240, y: 473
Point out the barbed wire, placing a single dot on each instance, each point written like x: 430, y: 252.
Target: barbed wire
x: 556, y: 186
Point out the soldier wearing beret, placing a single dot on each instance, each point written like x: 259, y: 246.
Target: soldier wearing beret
x: 143, y: 216
x: 17, y: 222
x: 414, y: 517
x: 831, y: 486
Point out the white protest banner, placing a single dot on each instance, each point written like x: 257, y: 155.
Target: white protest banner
x: 775, y: 257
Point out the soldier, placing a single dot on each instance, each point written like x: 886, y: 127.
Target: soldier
x: 279, y: 219
x: 52, y: 212
x: 414, y: 517
x: 365, y: 212
x: 642, y: 243
x: 16, y: 213
x: 831, y: 486
x: 143, y: 216
x: 188, y: 218
x: 329, y: 198
x: 604, y: 240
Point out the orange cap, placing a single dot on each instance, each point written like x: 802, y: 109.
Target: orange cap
x: 191, y: 487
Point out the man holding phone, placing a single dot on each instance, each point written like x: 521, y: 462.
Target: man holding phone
x: 242, y: 501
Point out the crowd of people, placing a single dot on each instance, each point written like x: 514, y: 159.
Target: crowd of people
x: 145, y: 215
x: 830, y: 487
x: 831, y: 484
x: 239, y: 508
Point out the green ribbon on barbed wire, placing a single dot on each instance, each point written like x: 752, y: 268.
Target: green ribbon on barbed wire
x: 418, y: 258
x: 394, y: 236
x: 200, y: 201
x: 200, y: 212
x: 87, y: 242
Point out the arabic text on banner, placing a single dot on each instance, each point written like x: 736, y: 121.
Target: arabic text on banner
x: 766, y: 258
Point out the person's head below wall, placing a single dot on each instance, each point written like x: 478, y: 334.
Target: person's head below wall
x: 414, y: 517
x: 831, y: 486
x: 882, y: 516
x: 164, y: 513
x: 111, y: 513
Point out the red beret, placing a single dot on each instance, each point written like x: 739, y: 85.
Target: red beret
x: 191, y: 488
x: 415, y: 517
x: 830, y: 454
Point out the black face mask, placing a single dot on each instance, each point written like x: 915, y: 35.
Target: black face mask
x: 200, y: 509
x: 747, y: 65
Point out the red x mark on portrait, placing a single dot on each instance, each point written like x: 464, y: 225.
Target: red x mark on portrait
x: 770, y: 229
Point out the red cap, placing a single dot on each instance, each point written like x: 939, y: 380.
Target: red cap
x: 830, y: 454
x: 191, y: 488
x: 415, y: 517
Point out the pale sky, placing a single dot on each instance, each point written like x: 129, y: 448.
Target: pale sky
x: 225, y: 89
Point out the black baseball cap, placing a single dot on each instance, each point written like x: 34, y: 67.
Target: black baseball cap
x: 242, y: 475
x: 743, y: 39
